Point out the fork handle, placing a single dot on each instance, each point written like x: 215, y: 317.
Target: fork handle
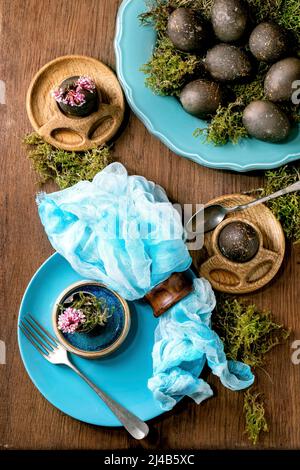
x: 135, y: 426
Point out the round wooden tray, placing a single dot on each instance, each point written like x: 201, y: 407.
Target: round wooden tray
x: 75, y: 133
x: 240, y: 278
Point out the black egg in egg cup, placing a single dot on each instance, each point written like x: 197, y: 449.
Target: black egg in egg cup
x: 77, y: 96
x: 238, y: 241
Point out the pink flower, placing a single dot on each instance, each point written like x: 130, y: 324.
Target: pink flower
x: 85, y: 83
x: 57, y: 95
x: 74, y: 95
x: 70, y: 320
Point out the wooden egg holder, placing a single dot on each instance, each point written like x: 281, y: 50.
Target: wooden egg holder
x: 72, y: 132
x: 84, y: 127
x: 239, y: 278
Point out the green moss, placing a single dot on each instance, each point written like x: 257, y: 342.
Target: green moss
x: 157, y: 15
x: 254, y: 415
x: 286, y: 208
x: 247, y: 92
x: 289, y: 17
x: 264, y: 9
x: 65, y: 168
x: 248, y: 334
x: 225, y: 126
x: 169, y: 69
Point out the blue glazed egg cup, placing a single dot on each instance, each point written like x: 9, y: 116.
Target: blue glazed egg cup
x: 100, y: 342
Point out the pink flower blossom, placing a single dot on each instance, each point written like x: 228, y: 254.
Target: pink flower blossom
x: 70, y: 320
x: 74, y: 94
x: 86, y: 83
x: 57, y: 95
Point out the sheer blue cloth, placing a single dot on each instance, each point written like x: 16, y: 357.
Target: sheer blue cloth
x: 184, y: 343
x: 122, y: 230
x: 118, y: 229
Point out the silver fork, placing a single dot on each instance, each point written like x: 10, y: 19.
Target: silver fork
x: 54, y: 352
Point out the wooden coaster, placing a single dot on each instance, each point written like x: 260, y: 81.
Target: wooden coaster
x: 240, y: 278
x: 75, y: 133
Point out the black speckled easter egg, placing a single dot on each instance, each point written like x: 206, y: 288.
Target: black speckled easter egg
x: 201, y: 98
x: 268, y: 42
x: 187, y: 30
x: 229, y: 19
x: 266, y: 121
x: 227, y: 63
x: 281, y: 80
x: 238, y: 241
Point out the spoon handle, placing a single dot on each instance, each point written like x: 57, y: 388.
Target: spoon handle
x: 281, y: 192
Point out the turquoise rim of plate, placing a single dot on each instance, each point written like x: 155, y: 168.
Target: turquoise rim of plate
x: 249, y: 155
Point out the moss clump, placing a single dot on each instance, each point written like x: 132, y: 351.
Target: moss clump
x: 254, y: 415
x: 247, y: 333
x: 262, y: 10
x: 285, y: 208
x: 247, y: 92
x: 65, y: 168
x: 225, y: 126
x: 289, y: 17
x: 157, y: 15
x: 169, y: 69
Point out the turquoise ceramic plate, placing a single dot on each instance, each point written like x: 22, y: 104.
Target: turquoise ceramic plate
x: 165, y: 118
x: 123, y: 375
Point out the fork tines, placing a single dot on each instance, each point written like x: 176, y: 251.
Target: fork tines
x: 43, y: 341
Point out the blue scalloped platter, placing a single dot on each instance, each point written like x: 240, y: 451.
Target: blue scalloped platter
x: 165, y: 118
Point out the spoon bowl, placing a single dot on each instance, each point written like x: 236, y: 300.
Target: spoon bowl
x: 213, y: 216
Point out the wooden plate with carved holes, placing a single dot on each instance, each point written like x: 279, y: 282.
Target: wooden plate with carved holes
x: 75, y: 133
x: 240, y: 278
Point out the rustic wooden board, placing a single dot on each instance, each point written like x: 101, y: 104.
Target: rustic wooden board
x: 32, y: 33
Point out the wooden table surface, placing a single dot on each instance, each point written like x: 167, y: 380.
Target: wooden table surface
x: 32, y: 32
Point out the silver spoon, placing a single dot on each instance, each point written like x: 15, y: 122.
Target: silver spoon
x: 214, y: 214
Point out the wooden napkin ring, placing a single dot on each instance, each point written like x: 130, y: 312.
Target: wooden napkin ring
x: 169, y: 292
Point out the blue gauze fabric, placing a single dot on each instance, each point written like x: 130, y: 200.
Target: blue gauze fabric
x: 122, y: 230
x: 184, y: 342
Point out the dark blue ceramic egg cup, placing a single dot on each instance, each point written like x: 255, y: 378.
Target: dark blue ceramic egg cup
x: 100, y: 342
